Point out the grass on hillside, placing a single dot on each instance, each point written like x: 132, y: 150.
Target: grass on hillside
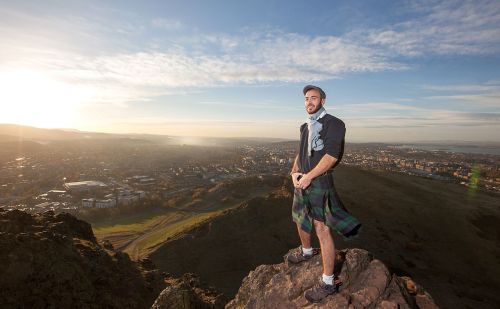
x: 141, y: 234
x: 144, y: 247
x: 135, y: 224
x: 129, y: 220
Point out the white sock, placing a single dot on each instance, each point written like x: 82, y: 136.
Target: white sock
x: 307, y: 251
x: 328, y: 279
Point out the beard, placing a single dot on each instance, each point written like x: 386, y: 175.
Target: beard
x: 315, y: 110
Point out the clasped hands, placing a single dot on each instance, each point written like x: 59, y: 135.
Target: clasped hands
x: 300, y: 180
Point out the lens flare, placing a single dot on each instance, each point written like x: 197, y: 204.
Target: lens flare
x: 474, y: 180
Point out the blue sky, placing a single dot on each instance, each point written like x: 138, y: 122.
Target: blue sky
x: 394, y: 71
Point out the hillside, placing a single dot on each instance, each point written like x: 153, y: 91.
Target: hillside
x: 140, y: 235
x: 436, y: 232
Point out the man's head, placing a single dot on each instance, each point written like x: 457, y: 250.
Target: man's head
x: 314, y: 98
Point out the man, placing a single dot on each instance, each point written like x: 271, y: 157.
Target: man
x: 315, y: 201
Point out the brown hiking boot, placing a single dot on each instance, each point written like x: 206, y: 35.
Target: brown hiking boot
x: 297, y: 256
x: 320, y: 291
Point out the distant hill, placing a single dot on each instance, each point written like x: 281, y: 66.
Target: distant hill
x: 21, y: 134
x: 436, y: 232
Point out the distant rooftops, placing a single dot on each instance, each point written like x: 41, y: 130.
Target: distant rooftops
x: 84, y: 185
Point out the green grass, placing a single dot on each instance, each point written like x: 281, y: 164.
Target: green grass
x: 136, y: 218
x: 143, y: 233
x: 161, y: 235
x: 132, y: 225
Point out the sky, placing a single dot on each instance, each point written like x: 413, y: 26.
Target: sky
x: 393, y: 71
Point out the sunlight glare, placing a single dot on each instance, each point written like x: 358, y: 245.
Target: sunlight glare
x: 36, y: 99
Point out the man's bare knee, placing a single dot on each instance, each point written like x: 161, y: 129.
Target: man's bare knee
x: 321, y: 228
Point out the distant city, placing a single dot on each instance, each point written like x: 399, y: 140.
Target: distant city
x: 468, y: 169
x: 100, y: 176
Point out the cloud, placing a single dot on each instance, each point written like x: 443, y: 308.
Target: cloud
x: 478, y: 100
x: 251, y: 105
x: 442, y: 27
x: 434, y: 119
x: 261, y: 58
x: 253, y: 56
x: 257, y: 59
x: 485, y: 94
x: 489, y: 86
x: 485, y: 100
x: 384, y: 106
x: 167, y: 24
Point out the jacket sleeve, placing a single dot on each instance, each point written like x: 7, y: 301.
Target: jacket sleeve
x: 334, y: 138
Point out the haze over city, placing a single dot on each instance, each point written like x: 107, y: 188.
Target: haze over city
x: 401, y: 71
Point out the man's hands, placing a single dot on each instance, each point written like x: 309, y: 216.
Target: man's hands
x: 295, y: 180
x: 304, y: 181
x: 326, y: 162
x: 301, y: 183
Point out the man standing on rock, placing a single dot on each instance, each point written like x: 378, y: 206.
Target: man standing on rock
x: 316, y: 202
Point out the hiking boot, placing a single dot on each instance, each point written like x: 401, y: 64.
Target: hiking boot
x: 297, y: 256
x: 320, y: 291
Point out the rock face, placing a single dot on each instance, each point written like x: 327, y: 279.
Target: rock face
x: 54, y: 261
x: 366, y: 283
x: 186, y: 292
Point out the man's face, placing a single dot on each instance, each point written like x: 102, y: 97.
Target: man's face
x: 313, y: 101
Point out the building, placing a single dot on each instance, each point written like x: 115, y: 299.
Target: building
x: 88, y: 202
x: 127, y: 199
x: 82, y: 186
x: 55, y: 193
x: 46, y: 206
x: 105, y: 203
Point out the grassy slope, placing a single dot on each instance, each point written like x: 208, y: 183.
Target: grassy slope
x: 139, y: 235
x: 436, y: 232
x: 426, y: 228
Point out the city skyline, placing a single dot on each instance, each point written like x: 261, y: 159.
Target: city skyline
x: 394, y: 72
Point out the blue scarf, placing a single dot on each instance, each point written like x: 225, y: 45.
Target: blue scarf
x: 314, y: 127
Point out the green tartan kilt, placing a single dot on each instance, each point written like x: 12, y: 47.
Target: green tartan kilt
x: 321, y: 202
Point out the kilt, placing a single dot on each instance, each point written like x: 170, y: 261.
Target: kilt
x: 321, y: 202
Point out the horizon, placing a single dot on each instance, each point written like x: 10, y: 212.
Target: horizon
x: 410, y: 143
x: 406, y: 72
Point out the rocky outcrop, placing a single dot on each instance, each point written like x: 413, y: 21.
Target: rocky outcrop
x: 187, y: 292
x: 54, y: 261
x: 366, y: 283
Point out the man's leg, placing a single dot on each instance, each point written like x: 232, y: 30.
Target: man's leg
x: 305, y: 237
x: 305, y: 251
x: 326, y: 286
x: 327, y: 247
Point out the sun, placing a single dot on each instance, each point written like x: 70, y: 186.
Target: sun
x: 35, y: 98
